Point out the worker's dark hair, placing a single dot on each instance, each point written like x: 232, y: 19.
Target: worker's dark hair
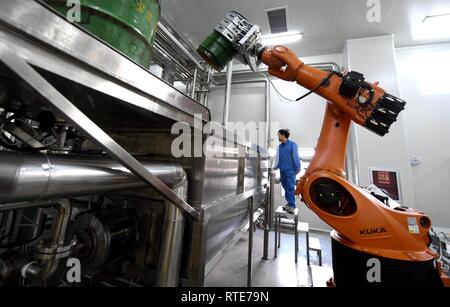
x: 285, y: 132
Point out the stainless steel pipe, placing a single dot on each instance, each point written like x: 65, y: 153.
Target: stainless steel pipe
x: 180, y: 46
x: 226, y: 104
x: 53, y: 249
x: 169, y: 262
x: 41, y: 177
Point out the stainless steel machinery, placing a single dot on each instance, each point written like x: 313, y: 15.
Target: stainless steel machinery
x: 86, y: 170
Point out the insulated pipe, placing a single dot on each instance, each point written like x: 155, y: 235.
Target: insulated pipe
x: 41, y: 177
x: 268, y: 113
x: 208, y: 82
x: 194, y: 82
x: 169, y: 261
x: 272, y: 199
x: 226, y: 105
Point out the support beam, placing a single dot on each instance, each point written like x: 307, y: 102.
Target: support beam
x: 250, y: 241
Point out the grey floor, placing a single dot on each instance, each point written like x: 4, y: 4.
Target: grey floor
x: 279, y: 272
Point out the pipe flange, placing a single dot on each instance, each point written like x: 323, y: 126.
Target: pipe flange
x: 54, y: 252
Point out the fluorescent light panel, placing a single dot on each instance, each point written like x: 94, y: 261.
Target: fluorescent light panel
x: 433, y: 27
x: 282, y: 38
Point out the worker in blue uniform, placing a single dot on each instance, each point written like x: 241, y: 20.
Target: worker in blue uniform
x: 288, y: 161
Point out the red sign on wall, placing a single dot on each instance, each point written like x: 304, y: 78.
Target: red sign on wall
x: 387, y: 181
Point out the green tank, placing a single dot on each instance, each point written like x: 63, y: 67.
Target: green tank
x: 128, y: 25
x: 216, y: 51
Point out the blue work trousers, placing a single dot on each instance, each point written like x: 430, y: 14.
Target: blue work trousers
x: 288, y: 184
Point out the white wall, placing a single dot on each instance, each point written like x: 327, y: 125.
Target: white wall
x: 427, y: 125
x: 375, y: 57
x: 304, y: 119
x: 247, y: 104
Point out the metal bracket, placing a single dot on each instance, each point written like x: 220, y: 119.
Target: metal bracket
x: 27, y: 74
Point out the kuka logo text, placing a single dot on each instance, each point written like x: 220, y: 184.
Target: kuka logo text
x: 372, y: 231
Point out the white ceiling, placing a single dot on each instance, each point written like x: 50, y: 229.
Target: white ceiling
x: 326, y: 24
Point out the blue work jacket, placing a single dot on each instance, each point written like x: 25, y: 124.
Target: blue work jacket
x: 287, y: 159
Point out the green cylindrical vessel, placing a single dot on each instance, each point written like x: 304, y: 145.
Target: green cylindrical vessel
x: 216, y: 51
x: 128, y: 25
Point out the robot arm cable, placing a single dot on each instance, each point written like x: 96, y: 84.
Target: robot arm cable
x: 333, y: 72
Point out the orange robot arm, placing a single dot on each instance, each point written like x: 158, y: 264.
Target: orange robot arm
x: 363, y: 224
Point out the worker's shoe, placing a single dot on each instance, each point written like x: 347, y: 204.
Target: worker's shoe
x: 289, y: 209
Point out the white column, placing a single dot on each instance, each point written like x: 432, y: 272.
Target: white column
x: 375, y: 58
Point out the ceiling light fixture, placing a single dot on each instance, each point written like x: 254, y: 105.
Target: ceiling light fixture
x: 282, y: 38
x: 437, y: 18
